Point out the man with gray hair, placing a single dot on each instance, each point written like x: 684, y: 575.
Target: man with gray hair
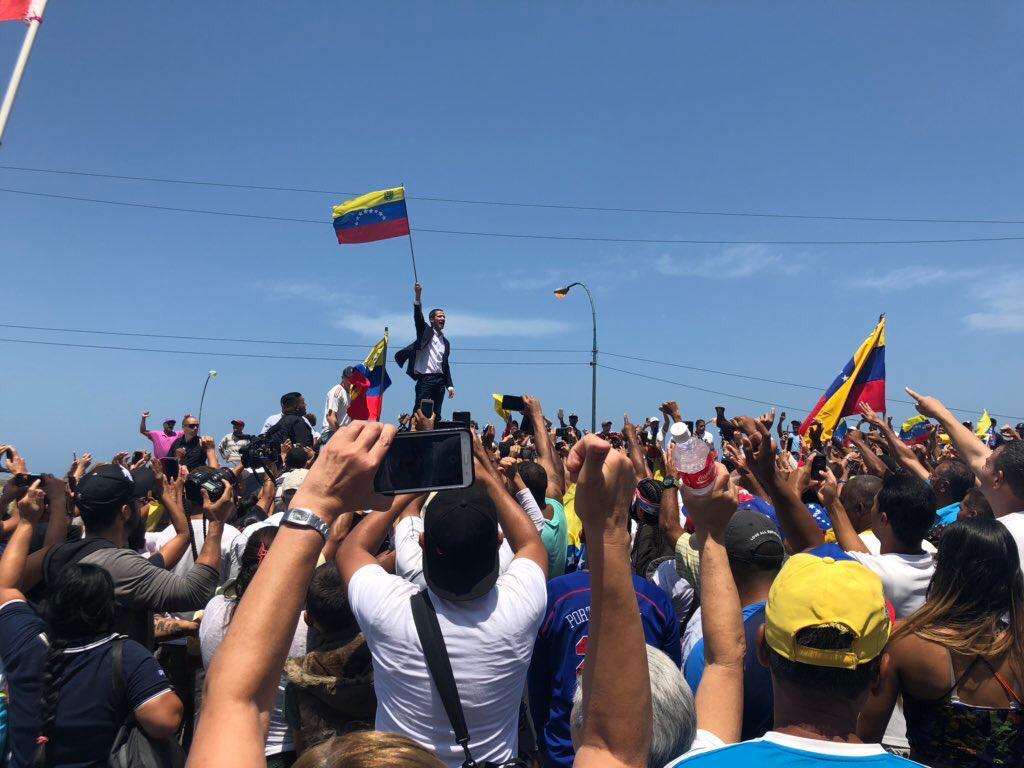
x: 673, y: 713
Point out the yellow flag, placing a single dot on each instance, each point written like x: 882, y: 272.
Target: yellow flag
x: 505, y: 415
x: 984, y: 425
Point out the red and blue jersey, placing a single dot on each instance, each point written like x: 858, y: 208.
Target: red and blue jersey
x: 562, y: 645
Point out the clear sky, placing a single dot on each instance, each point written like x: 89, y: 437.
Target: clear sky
x: 883, y: 110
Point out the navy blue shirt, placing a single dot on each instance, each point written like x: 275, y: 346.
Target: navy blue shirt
x: 562, y: 644
x: 86, y: 722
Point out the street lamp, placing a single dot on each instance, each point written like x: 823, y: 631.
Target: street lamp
x: 209, y: 375
x: 561, y: 293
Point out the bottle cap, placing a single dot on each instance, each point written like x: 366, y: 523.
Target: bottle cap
x: 680, y: 432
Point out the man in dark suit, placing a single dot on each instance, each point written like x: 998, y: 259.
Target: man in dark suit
x: 426, y: 359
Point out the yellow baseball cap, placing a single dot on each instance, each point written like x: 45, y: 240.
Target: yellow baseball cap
x: 812, y: 591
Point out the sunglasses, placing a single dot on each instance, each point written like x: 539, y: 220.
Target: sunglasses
x: 191, y: 426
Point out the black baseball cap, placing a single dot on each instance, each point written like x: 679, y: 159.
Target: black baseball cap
x: 143, y: 479
x: 752, y: 538
x: 105, y: 486
x: 460, y: 544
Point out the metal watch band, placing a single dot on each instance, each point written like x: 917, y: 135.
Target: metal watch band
x: 307, y: 519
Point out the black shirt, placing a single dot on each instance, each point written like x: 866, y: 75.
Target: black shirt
x: 195, y: 454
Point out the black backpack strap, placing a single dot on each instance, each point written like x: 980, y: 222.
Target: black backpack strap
x: 118, y: 686
x: 436, y: 655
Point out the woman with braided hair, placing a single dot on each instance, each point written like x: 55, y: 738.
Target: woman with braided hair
x: 60, y: 671
x: 278, y: 748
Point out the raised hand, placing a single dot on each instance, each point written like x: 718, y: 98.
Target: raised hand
x: 768, y: 419
x: 931, y: 407
x: 145, y: 414
x: 604, y: 483
x: 219, y: 510
x: 826, y: 486
x: 30, y: 506
x: 870, y: 416
x: 341, y: 480
x: 712, y: 511
x: 419, y: 291
x: 421, y: 423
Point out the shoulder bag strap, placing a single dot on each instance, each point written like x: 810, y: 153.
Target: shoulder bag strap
x: 117, y: 677
x: 436, y: 655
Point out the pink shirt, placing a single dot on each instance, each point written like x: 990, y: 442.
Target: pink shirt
x: 162, y: 441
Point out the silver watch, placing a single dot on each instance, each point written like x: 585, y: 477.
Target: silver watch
x: 306, y: 518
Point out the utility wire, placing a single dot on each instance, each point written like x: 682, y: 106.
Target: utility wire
x: 522, y: 236
x: 266, y: 357
x: 521, y: 204
x: 711, y: 370
x: 255, y: 341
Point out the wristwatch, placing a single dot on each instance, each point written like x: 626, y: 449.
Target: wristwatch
x: 670, y: 482
x: 307, y: 519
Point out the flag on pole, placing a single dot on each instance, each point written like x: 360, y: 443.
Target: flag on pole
x: 369, y: 380
x: 20, y: 10
x: 862, y: 380
x: 914, y: 431
x: 373, y: 216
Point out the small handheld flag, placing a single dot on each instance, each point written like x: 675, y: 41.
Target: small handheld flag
x: 984, y: 429
x: 371, y: 217
x: 369, y: 381
x: 862, y: 380
x: 914, y: 430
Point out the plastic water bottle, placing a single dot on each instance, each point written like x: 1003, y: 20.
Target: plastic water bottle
x: 693, y: 458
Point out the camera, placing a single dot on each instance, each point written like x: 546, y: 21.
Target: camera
x: 260, y: 450
x: 213, y: 481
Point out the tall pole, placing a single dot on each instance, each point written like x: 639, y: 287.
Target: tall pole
x: 383, y: 372
x: 412, y: 252
x: 36, y: 9
x: 209, y: 375
x: 561, y: 293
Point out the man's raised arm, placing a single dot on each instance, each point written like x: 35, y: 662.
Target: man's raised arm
x: 967, y: 444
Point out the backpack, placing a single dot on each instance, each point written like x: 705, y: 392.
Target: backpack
x: 133, y: 747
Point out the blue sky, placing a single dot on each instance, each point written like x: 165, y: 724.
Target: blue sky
x: 908, y: 110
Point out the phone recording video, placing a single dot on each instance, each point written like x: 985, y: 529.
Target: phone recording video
x: 427, y: 408
x: 418, y: 462
x: 818, y: 465
x: 513, y: 403
x: 170, y: 467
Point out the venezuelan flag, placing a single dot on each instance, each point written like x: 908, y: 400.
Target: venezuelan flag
x: 862, y: 380
x: 914, y: 430
x: 374, y: 216
x: 369, y: 380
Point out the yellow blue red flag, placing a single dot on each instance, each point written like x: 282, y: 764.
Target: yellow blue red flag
x: 862, y: 380
x: 367, y: 384
x: 373, y: 216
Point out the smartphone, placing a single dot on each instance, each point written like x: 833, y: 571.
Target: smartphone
x: 818, y: 465
x: 462, y: 417
x: 171, y: 468
x: 512, y: 403
x: 689, y: 426
x: 25, y: 480
x: 562, y: 433
x: 418, y: 462
x: 427, y: 408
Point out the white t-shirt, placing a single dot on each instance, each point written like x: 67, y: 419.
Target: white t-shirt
x: 905, y: 578
x: 213, y: 628
x: 337, y: 401
x: 409, y: 553
x: 1014, y: 523
x: 676, y: 587
x: 490, y: 641
x: 184, y: 565
x: 271, y: 421
x: 875, y: 546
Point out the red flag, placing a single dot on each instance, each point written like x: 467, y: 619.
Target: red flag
x: 18, y: 10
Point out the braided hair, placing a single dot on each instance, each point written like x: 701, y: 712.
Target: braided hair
x: 80, y: 604
x: 252, y: 556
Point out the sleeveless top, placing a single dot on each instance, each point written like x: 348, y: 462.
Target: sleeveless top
x: 949, y: 732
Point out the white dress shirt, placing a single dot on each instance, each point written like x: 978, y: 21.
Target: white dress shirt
x: 430, y: 358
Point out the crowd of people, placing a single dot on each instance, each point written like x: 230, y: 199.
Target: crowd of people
x: 253, y: 602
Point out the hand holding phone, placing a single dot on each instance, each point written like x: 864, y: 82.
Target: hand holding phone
x: 420, y: 462
x: 170, y: 467
x: 427, y: 408
x: 513, y: 403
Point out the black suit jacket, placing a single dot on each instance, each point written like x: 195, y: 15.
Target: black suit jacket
x: 406, y: 356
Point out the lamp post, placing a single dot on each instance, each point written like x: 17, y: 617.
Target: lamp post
x: 209, y: 375
x: 561, y: 293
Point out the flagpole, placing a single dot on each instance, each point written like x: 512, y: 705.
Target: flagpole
x: 384, y: 372
x: 37, y: 9
x: 412, y: 252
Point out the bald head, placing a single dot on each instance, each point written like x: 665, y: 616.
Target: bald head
x: 857, y: 496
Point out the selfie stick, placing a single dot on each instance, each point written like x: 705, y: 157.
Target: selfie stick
x: 412, y: 252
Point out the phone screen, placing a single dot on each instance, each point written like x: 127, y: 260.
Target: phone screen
x: 462, y: 417
x: 818, y: 465
x: 427, y: 408
x: 512, y: 403
x: 426, y: 461
x: 170, y: 468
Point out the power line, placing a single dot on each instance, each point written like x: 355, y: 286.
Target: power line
x: 254, y: 341
x: 524, y: 236
x: 712, y: 370
x: 522, y: 204
x: 266, y: 357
